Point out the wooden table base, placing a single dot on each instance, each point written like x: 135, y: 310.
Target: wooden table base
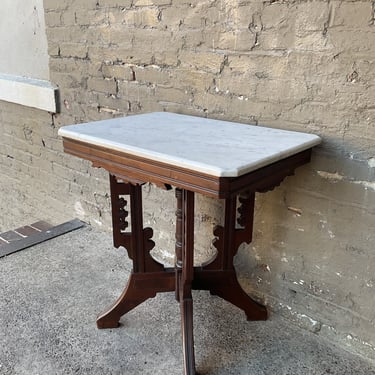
x: 149, y: 277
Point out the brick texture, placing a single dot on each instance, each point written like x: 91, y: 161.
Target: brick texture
x: 300, y: 65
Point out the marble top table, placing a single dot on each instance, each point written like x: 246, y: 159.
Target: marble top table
x: 208, y: 149
x: 218, y: 148
x: 220, y: 159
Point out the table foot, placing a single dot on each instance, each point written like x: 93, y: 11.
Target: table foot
x: 186, y: 306
x: 238, y: 297
x: 219, y: 276
x: 225, y: 285
x: 140, y: 287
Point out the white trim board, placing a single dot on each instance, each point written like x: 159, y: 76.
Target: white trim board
x: 29, y: 92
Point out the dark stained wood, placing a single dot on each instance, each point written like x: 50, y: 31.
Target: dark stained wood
x: 139, y: 170
x: 140, y: 287
x: 138, y: 241
x: 186, y: 277
x: 179, y: 228
x: 179, y: 239
x: 120, y: 214
x: 138, y: 244
x: 245, y: 218
x: 267, y: 178
x: 229, y: 237
x: 224, y: 283
x: 219, y: 277
x: 127, y: 174
x: 137, y: 235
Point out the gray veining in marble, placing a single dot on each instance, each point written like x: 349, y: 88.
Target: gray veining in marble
x: 218, y: 148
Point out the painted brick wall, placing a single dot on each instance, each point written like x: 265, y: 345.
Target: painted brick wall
x: 299, y: 65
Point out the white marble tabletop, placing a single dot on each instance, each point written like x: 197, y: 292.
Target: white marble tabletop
x: 217, y: 148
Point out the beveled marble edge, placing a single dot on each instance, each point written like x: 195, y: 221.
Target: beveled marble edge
x: 210, y: 169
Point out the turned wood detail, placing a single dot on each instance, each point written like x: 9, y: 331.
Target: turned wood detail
x: 179, y: 241
x: 184, y: 273
x: 179, y: 229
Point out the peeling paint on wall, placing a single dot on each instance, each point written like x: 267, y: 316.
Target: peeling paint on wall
x: 336, y: 177
x: 332, y: 177
x: 366, y: 184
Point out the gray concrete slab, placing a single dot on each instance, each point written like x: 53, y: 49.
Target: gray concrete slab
x: 52, y: 292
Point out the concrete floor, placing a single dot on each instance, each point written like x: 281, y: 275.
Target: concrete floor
x: 51, y: 293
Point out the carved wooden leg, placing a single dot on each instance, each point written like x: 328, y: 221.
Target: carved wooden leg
x: 233, y: 293
x: 140, y: 287
x: 219, y: 277
x: 186, y: 306
x: 184, y: 276
x: 148, y: 276
x: 129, y: 299
x: 179, y: 241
